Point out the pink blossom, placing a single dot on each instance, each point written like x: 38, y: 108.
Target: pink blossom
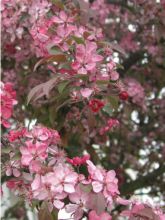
x: 103, y: 181
x: 42, y: 133
x: 111, y: 123
x: 64, y: 179
x: 86, y: 58
x: 16, y: 134
x: 86, y: 92
x: 62, y: 18
x: 79, y: 203
x: 104, y: 216
x: 144, y: 211
x: 32, y: 152
x: 8, y: 100
x: 41, y: 188
x: 77, y: 161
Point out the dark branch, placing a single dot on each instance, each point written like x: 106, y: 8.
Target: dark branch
x: 142, y: 181
x: 133, y: 59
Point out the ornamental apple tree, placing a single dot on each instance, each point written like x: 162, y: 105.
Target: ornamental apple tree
x: 89, y: 74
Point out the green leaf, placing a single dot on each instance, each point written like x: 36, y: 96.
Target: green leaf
x: 54, y: 50
x: 119, y: 66
x: 100, y: 82
x: 82, y: 76
x: 62, y: 86
x: 108, y: 109
x: 114, y: 101
x: 5, y: 150
x: 79, y: 40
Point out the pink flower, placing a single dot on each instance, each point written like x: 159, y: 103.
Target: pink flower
x: 64, y: 179
x: 32, y: 152
x: 79, y: 203
x: 62, y: 18
x: 86, y: 58
x: 62, y: 33
x: 16, y: 134
x: 144, y: 211
x: 86, y: 93
x: 8, y: 96
x: 97, y: 176
x: 77, y: 161
x: 104, y: 216
x: 102, y: 181
x: 111, y: 123
x: 111, y: 184
x: 13, y: 168
x: 41, y: 188
x: 44, y: 134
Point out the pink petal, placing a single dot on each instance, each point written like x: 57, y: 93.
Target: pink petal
x: 86, y: 92
x: 97, y: 58
x: 16, y: 172
x: 97, y: 187
x: 110, y: 176
x: 69, y: 188
x: 57, y: 20
x: 114, y: 76
x: 26, y: 159
x: 58, y: 204
x: 71, y: 208
x: 123, y: 201
x: 36, y: 182
x: 90, y: 66
x: 72, y: 177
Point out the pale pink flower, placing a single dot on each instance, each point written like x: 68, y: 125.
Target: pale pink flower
x: 97, y: 175
x: 64, y: 179
x: 104, y: 216
x: 32, y: 152
x: 86, y: 92
x: 41, y: 188
x: 143, y: 211
x: 79, y: 203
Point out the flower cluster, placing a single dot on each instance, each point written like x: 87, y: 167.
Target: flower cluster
x: 8, y: 100
x: 143, y: 211
x: 95, y: 105
x: 135, y: 91
x: 42, y: 172
x: 111, y: 123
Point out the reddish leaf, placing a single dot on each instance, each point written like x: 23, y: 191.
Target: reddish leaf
x: 41, y: 90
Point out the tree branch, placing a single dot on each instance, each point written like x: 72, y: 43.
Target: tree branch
x: 130, y: 61
x: 142, y: 181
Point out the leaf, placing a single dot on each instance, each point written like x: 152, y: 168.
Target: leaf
x: 114, y: 101
x: 97, y: 202
x: 5, y: 150
x: 52, y: 58
x: 108, y: 109
x: 78, y: 40
x: 44, y: 213
x: 62, y: 86
x: 102, y: 82
x: 41, y: 90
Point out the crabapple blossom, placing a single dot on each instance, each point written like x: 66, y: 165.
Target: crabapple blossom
x: 8, y: 100
x: 86, y: 58
x: 67, y: 61
x: 31, y: 152
x: 104, y: 216
x: 95, y: 105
